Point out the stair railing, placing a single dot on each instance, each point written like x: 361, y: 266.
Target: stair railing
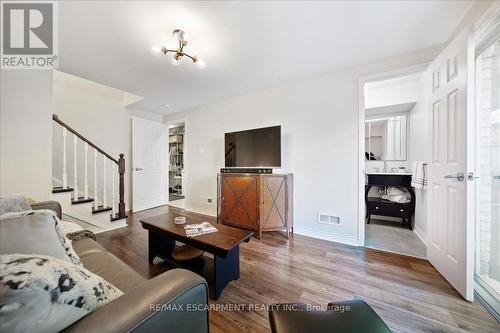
x: 116, y: 165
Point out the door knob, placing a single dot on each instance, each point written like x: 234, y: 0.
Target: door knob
x: 460, y: 176
x: 138, y: 169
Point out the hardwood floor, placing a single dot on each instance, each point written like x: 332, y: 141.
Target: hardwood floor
x: 408, y: 293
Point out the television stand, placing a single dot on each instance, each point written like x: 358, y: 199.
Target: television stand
x: 257, y: 202
x: 247, y: 170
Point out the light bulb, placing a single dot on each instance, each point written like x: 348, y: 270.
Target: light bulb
x: 200, y: 63
x: 175, y: 60
x: 156, y: 49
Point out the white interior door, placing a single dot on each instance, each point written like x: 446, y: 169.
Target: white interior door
x: 149, y: 164
x: 450, y: 237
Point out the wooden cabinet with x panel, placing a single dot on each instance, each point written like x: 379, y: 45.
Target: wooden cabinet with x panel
x: 257, y: 202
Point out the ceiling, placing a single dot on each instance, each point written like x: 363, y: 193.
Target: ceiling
x: 246, y: 45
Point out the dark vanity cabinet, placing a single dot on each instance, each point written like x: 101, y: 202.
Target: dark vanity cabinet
x: 379, y: 206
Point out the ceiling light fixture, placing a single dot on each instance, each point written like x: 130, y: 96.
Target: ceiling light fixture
x: 176, y: 56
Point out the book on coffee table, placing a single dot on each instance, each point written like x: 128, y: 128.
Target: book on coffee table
x: 193, y: 230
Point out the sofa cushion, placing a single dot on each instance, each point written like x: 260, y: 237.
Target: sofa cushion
x: 97, y: 260
x: 38, y: 232
x: 47, y: 294
x: 13, y: 204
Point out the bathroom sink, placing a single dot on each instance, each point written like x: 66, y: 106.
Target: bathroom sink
x: 389, y: 173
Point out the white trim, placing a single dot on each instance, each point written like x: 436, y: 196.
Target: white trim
x: 361, y: 163
x: 113, y: 225
x: 184, y: 159
x: 470, y: 165
x: 482, y: 28
x: 361, y: 136
x: 420, y: 234
x: 314, y: 233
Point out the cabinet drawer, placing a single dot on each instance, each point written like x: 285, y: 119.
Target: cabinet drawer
x: 389, y: 209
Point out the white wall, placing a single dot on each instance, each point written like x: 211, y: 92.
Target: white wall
x: 399, y: 90
x: 99, y: 113
x: 25, y: 133
x: 144, y: 114
x: 319, y: 119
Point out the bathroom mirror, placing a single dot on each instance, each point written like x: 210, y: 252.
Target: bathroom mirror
x: 386, y: 138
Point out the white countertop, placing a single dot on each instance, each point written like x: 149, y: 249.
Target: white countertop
x: 390, y: 173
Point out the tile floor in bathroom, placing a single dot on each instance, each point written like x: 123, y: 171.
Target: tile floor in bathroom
x: 394, y: 237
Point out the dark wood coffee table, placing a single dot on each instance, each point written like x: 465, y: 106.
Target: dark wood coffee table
x: 223, y: 244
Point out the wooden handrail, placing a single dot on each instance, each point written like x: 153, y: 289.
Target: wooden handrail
x: 90, y: 143
x: 120, y: 162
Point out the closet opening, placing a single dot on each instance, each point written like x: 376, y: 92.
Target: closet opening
x: 176, y: 164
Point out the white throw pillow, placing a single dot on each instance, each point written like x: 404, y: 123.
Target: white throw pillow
x: 45, y: 294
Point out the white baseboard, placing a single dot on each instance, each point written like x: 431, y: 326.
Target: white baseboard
x: 420, y: 234
x: 305, y: 231
x: 314, y: 233
x: 200, y: 211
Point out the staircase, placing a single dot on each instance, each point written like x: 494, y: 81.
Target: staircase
x: 106, y: 173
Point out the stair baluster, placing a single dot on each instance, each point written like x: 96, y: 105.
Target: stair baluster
x: 86, y: 181
x: 75, y: 162
x: 104, y: 196
x: 96, y: 205
x: 65, y: 173
x: 113, y: 203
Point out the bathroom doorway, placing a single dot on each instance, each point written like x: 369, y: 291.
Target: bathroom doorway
x: 393, y: 141
x: 176, y: 165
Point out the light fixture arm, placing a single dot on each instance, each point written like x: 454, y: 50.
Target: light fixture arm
x: 179, y: 53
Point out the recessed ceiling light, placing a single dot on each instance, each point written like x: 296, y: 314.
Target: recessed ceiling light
x: 167, y: 106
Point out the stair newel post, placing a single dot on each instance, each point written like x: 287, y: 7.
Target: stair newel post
x: 121, y: 171
x: 75, y: 162
x: 96, y: 204
x: 113, y: 202
x: 64, y: 171
x: 86, y: 181
x: 104, y: 194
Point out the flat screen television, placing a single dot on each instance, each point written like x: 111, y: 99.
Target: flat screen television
x: 253, y: 148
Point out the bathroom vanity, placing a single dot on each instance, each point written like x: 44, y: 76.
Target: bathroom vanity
x: 379, y: 206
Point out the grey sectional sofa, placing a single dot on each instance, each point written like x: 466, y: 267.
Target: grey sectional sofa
x: 135, y: 310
